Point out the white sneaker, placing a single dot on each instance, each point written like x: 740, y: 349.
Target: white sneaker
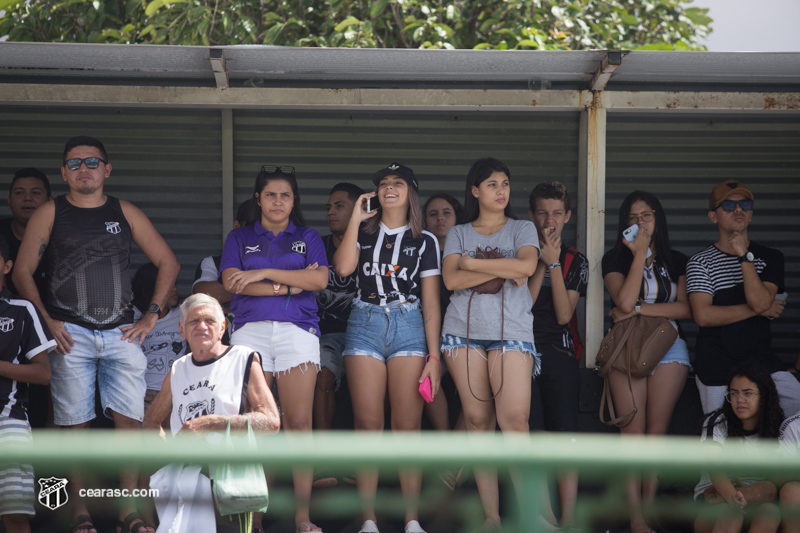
x: 414, y: 527
x: 369, y: 527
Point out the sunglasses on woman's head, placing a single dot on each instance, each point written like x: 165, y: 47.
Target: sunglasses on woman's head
x: 272, y: 169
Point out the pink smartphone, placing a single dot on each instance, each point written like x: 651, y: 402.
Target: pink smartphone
x: 425, y: 389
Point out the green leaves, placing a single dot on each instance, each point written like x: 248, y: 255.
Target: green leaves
x: 479, y: 24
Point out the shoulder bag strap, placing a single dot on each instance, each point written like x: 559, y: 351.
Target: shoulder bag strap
x: 619, y: 421
x: 502, y: 355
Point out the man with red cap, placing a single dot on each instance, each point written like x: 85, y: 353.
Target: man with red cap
x: 736, y: 287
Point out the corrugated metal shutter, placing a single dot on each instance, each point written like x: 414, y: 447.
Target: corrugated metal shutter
x: 332, y: 146
x: 167, y: 162
x: 680, y: 157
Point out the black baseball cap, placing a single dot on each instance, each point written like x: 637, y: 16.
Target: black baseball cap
x: 396, y: 169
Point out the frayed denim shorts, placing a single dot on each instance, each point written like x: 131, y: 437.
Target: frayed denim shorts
x: 451, y: 342
x: 385, y: 332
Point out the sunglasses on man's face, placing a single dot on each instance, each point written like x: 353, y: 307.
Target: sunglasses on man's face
x: 91, y: 162
x: 272, y: 169
x: 730, y: 205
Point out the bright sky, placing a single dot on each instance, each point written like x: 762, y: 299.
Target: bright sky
x: 753, y: 26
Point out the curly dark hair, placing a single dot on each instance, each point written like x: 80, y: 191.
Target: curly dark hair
x: 770, y: 414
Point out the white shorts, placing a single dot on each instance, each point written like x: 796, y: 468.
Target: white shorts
x: 282, y: 345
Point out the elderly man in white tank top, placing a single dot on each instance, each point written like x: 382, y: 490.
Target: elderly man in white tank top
x: 214, y: 384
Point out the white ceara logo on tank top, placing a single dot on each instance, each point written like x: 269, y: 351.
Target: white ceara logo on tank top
x: 113, y: 227
x: 6, y: 324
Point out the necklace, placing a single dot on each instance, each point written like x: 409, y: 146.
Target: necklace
x: 649, y: 271
x: 390, y: 244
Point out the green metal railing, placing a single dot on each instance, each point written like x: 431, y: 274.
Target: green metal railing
x: 602, y: 460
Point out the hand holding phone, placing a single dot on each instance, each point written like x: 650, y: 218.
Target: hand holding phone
x: 630, y: 233
x: 373, y: 204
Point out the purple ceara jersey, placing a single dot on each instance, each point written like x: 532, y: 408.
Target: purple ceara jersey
x: 253, y: 248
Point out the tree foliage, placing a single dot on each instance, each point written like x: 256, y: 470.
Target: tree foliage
x: 480, y: 24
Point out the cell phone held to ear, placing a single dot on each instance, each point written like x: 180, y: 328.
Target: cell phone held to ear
x: 373, y: 204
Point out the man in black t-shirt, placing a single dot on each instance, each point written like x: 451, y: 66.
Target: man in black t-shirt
x: 29, y: 189
x: 555, y: 297
x: 735, y: 288
x: 334, y: 305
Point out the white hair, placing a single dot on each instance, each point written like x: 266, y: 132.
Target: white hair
x: 199, y: 300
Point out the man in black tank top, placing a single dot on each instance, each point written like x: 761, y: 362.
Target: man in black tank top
x: 84, y: 240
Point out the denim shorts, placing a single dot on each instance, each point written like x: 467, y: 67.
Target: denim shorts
x: 451, y: 342
x: 678, y: 353
x: 118, y: 366
x: 385, y: 332
x: 331, y: 346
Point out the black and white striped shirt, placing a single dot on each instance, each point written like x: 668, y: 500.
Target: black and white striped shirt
x: 392, y: 262
x: 721, y: 348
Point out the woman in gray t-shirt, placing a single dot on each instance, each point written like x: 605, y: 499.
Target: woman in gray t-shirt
x: 501, y: 354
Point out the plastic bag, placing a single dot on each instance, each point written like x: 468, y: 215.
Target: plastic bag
x: 240, y: 488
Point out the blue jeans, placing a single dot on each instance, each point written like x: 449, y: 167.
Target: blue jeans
x: 385, y: 332
x: 118, y: 366
x: 331, y: 347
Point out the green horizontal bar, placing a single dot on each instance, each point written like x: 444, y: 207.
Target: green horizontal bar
x: 591, y: 453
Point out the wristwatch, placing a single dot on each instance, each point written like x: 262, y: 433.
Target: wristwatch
x: 551, y: 266
x: 154, y: 308
x: 746, y: 258
x: 638, y: 309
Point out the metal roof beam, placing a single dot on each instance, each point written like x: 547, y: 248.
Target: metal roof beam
x: 469, y: 99
x: 608, y: 65
x: 217, y: 58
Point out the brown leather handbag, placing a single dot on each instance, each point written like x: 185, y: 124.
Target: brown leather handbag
x: 493, y: 286
x: 634, y: 346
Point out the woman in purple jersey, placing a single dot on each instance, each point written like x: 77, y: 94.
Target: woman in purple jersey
x: 394, y: 323
x: 272, y: 269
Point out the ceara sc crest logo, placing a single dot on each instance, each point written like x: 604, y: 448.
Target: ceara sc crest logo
x: 53, y: 492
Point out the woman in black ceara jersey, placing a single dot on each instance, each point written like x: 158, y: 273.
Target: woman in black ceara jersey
x: 395, y: 321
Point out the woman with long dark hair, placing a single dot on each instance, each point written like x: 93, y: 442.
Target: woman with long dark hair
x: 395, y: 321
x: 272, y: 269
x: 488, y: 338
x: 750, y: 414
x: 647, y: 277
